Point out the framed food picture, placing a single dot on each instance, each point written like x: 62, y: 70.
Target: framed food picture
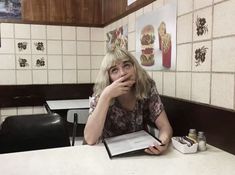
x: 156, y: 38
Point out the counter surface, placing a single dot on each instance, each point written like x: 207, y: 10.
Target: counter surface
x: 92, y: 160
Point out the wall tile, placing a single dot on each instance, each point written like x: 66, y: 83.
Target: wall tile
x: 23, y: 62
x: 84, y: 76
x: 185, y: 6
x: 69, y: 47
x: 184, y: 29
x: 55, y: 76
x: 157, y: 4
x: 183, y: 85
x: 157, y: 77
x: 201, y: 87
x: 69, y: 62
x: 97, y: 34
x: 69, y: 76
x: 24, y: 110
x: 8, y: 111
x: 184, y: 57
x: 125, y: 20
x: 7, y: 77
x: 39, y: 46
x: 68, y: 33
x: 169, y: 84
x: 24, y: 77
x: 54, y: 32
x: 39, y: 110
x: 7, y: 46
x: 23, y: 46
x: 7, y: 30
x: 83, y: 33
x: 54, y: 62
x: 96, y: 61
x: 224, y: 14
x: 38, y: 31
x: 83, y: 62
x: 202, y: 24
x: 216, y: 1
x: 201, y: 60
x: 223, y: 55
x: 39, y: 61
x: 7, y: 61
x: 94, y: 74
x: 39, y: 76
x: 97, y: 48
x: 131, y: 41
x: 202, y: 3
x: 54, y: 47
x: 222, y: 90
x: 139, y: 13
x: 22, y: 31
x: 148, y: 8
x: 83, y: 48
x: 131, y: 22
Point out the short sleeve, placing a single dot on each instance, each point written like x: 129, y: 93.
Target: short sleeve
x: 93, y: 102
x: 155, y: 105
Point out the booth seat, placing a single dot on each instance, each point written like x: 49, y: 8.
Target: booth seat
x: 33, y: 132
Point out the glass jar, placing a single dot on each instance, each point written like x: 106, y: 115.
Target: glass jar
x: 192, y: 134
x: 201, y: 138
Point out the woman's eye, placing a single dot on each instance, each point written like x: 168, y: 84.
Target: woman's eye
x: 127, y: 65
x: 113, y: 71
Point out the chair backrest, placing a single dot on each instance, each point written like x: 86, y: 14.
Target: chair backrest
x: 82, y: 115
x: 32, y: 132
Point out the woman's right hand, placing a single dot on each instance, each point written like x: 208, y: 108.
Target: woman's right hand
x: 119, y: 87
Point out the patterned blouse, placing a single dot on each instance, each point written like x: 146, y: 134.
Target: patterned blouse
x: 122, y: 121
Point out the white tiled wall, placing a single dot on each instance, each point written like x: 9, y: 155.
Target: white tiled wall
x: 73, y: 54
x: 69, y: 55
x: 212, y: 80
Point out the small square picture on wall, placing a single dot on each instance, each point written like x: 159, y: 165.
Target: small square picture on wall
x: 10, y: 9
x: 117, y: 37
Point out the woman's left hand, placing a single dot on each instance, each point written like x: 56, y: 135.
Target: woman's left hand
x: 156, y: 149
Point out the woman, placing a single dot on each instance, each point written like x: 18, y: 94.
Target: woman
x: 125, y: 98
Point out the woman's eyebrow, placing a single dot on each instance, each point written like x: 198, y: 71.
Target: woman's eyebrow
x: 112, y: 67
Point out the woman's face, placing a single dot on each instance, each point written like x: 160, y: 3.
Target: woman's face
x: 120, y: 69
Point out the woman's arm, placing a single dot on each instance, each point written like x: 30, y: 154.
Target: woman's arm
x: 95, y: 123
x: 165, y: 134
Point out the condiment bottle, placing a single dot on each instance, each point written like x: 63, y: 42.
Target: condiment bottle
x: 192, y: 134
x: 201, y: 138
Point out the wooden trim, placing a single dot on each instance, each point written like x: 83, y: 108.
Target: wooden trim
x: 36, y: 95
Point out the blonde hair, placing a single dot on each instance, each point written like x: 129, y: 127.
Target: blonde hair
x: 143, y: 80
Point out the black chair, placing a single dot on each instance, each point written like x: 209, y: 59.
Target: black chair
x: 33, y: 132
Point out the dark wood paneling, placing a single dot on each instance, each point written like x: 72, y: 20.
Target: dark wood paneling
x: 64, y: 12
x: 90, y: 13
x: 36, y: 95
x: 217, y: 123
x: 55, y: 11
x: 35, y: 10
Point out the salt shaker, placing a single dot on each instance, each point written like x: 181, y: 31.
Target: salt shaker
x: 201, y: 138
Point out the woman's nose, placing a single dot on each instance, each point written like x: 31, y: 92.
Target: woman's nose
x: 122, y: 72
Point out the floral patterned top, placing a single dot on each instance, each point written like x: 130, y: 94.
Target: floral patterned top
x: 122, y: 121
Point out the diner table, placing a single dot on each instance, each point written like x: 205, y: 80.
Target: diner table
x: 94, y: 160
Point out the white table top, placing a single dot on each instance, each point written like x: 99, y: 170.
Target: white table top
x: 68, y: 104
x: 92, y: 160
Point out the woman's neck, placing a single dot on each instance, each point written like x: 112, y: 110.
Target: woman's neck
x: 127, y: 101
